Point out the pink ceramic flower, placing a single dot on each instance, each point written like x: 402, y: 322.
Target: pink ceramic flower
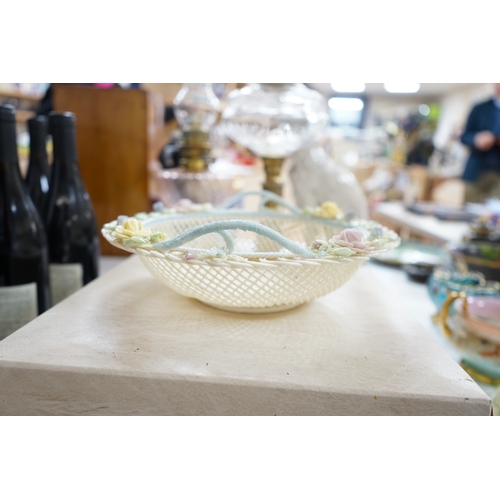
x: 350, y: 238
x: 191, y: 255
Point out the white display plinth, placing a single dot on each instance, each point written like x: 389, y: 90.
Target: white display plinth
x: 127, y: 345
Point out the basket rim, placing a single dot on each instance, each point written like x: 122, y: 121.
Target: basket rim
x: 181, y: 253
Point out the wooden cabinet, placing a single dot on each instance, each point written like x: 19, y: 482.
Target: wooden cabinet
x: 119, y: 137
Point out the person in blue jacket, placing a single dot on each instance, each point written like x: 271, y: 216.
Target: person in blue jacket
x: 482, y: 136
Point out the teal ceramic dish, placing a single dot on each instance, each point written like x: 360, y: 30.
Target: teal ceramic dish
x: 471, y: 283
x: 479, y: 357
x: 470, y: 329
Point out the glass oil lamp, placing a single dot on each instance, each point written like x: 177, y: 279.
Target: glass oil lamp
x: 196, y: 176
x: 274, y: 120
x: 196, y: 109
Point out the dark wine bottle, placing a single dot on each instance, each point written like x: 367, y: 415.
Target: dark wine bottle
x: 37, y: 178
x: 70, y: 220
x: 24, y: 275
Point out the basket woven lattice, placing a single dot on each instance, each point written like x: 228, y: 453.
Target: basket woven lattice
x: 248, y: 261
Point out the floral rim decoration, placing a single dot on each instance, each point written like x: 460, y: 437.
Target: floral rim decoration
x: 358, y: 239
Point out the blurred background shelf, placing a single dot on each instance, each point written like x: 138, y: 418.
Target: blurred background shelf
x: 25, y: 98
x: 13, y: 94
x: 23, y: 115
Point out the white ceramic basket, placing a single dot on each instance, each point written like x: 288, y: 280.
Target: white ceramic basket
x: 267, y: 263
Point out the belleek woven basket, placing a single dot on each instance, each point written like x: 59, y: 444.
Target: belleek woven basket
x: 266, y: 264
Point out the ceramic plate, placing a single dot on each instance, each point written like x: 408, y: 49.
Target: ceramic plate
x: 482, y: 318
x: 479, y: 357
x: 413, y: 253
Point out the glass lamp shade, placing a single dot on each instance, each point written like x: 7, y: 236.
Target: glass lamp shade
x: 196, y: 107
x: 174, y: 185
x: 273, y: 120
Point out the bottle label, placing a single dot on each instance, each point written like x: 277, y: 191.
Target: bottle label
x: 18, y: 306
x: 65, y: 279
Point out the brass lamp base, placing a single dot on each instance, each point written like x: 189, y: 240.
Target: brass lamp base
x: 273, y: 182
x: 194, y: 151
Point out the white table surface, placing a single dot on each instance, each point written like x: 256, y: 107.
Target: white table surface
x: 415, y: 298
x: 427, y: 226
x: 127, y: 345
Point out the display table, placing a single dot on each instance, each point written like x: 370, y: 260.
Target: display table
x: 408, y: 224
x: 127, y: 345
x: 415, y: 298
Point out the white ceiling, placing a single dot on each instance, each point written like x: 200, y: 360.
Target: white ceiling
x: 377, y: 89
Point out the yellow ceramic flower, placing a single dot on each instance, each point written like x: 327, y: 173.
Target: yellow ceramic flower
x: 329, y: 210
x: 131, y: 228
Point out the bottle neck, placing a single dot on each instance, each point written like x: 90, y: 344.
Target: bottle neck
x: 64, y: 144
x: 65, y: 170
x: 8, y: 144
x: 11, y: 183
x: 38, y: 142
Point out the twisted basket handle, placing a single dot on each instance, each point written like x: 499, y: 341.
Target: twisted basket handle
x: 265, y: 197
x: 221, y: 228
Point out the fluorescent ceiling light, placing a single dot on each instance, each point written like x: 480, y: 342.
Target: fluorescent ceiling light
x: 348, y: 87
x: 345, y: 103
x: 402, y: 88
